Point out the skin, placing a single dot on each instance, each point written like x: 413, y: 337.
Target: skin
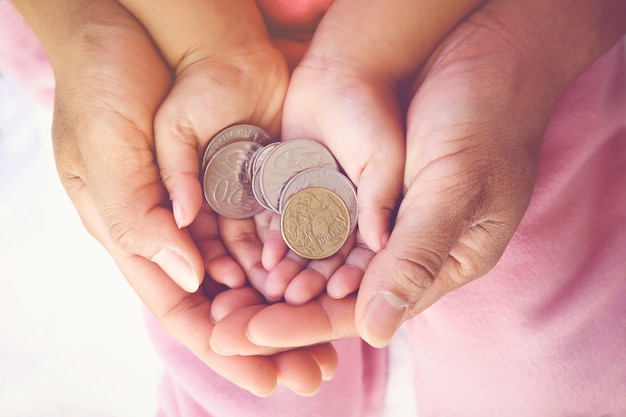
x: 226, y: 71
x: 123, y: 207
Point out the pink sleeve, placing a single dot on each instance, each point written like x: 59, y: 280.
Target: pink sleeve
x: 291, y: 24
x: 22, y: 57
x: 293, y: 12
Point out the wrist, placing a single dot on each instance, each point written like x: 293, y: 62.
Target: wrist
x: 51, y: 21
x: 387, y: 40
x: 190, y: 30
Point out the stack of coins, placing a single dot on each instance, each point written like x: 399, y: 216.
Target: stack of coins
x: 245, y: 171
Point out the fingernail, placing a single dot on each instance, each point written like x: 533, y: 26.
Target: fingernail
x: 263, y: 394
x: 174, y: 265
x: 218, y: 348
x: 179, y: 214
x: 385, y: 314
x: 329, y: 376
x: 384, y: 240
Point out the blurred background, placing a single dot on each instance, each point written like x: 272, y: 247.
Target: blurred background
x: 72, y: 339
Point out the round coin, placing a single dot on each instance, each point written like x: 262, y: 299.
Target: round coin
x: 288, y: 159
x: 315, y: 223
x: 258, y: 192
x: 259, y: 159
x: 228, y: 181
x: 325, y: 178
x: 262, y: 155
x: 231, y: 134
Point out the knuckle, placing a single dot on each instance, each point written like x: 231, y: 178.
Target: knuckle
x: 415, y: 272
x: 121, y: 231
x: 68, y: 158
x: 171, y: 120
x: 477, y: 251
x: 240, y: 238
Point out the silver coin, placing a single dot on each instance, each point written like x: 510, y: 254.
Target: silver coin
x: 324, y: 178
x: 261, y: 156
x: 288, y: 159
x: 257, y: 191
x: 228, y: 181
x: 231, y: 134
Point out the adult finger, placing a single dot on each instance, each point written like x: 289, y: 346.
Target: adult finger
x: 326, y: 357
x: 232, y: 311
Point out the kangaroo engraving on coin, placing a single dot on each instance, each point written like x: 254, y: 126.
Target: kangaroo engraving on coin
x: 228, y: 181
x: 315, y: 223
x: 325, y: 178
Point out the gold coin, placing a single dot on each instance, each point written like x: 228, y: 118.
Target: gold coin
x: 315, y: 223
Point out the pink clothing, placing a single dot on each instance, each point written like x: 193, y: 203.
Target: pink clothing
x: 23, y: 58
x: 543, y: 334
x: 190, y: 389
x: 292, y: 23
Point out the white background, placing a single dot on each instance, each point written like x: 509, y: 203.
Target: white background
x: 72, y: 339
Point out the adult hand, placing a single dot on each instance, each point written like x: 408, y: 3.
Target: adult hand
x: 477, y: 115
x: 110, y: 81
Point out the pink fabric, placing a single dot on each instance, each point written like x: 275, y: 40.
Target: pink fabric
x: 23, y: 58
x: 543, y: 334
x: 191, y: 389
x: 296, y: 14
x: 292, y: 23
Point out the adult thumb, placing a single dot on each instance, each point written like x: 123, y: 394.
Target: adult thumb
x: 440, y: 241
x: 398, y: 276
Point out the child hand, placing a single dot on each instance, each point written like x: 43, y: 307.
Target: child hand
x: 226, y: 72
